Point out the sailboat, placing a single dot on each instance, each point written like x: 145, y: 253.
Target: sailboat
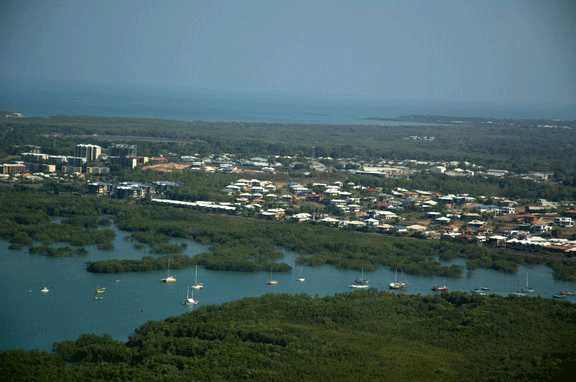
x: 360, y: 283
x: 527, y: 289
x: 197, y: 284
x: 519, y: 292
x: 398, y: 284
x: 168, y: 278
x: 45, y: 289
x: 190, y: 298
x: 301, y: 278
x: 271, y: 281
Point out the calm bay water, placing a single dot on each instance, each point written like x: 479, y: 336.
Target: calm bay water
x: 31, y: 319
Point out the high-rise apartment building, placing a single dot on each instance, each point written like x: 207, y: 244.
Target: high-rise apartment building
x: 90, y: 152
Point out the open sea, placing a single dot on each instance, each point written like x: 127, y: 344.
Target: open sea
x: 42, y: 98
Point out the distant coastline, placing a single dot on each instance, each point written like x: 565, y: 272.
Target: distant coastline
x: 44, y: 99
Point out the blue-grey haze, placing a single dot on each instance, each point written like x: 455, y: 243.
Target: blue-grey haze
x: 438, y: 52
x: 48, y: 98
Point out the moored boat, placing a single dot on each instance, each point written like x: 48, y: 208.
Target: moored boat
x: 197, y: 284
x: 271, y: 281
x: 526, y: 288
x: 397, y: 284
x: 168, y: 278
x: 189, y: 298
x: 301, y: 277
x: 440, y: 288
x: 360, y: 282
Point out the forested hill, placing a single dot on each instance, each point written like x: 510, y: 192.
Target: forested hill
x: 360, y: 336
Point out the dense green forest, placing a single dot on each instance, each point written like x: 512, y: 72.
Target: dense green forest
x: 359, y: 336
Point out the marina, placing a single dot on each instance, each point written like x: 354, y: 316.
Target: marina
x: 81, y: 302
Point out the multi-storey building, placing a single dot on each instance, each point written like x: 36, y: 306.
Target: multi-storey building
x: 122, y: 150
x: 90, y: 152
x: 13, y: 168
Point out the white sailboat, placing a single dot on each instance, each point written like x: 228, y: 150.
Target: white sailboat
x: 519, y: 292
x: 398, y: 284
x: 271, y: 281
x: 526, y: 288
x: 197, y: 284
x: 360, y: 283
x: 301, y: 278
x: 168, y: 278
x: 45, y: 289
x: 190, y: 298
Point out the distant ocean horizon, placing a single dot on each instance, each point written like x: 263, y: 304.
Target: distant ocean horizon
x: 45, y: 99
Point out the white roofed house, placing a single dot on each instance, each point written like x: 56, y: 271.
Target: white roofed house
x: 300, y: 190
x: 232, y: 188
x: 383, y: 215
x: 540, y: 228
x: 497, y: 173
x: 563, y: 221
x: 351, y: 224
x: 270, y: 196
x: 488, y: 209
x: 273, y: 213
x: 245, y: 195
x: 354, y: 208
x: 332, y: 192
x: 497, y: 239
x: 372, y: 222
x: 384, y: 227
x: 476, y: 224
x: 301, y: 217
x: 270, y: 187
x: 506, y: 210
x: 427, y: 204
x: 416, y: 228
x: 268, y: 215
x: 438, y: 170
x: 330, y: 221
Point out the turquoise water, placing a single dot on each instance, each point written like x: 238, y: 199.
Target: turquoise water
x: 30, y: 319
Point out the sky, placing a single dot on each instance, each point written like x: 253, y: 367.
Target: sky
x: 445, y: 50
